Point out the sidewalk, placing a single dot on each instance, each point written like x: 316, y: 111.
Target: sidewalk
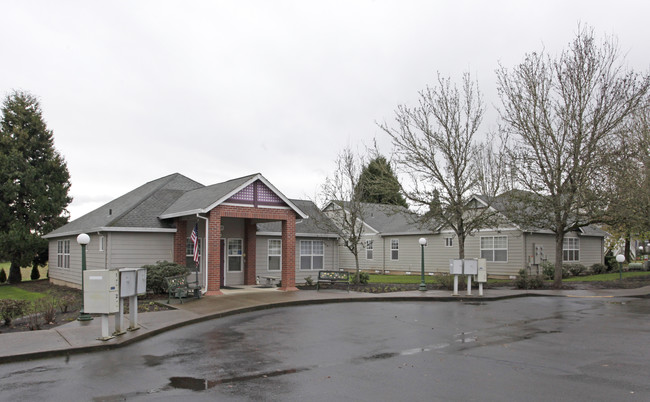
x: 81, y: 337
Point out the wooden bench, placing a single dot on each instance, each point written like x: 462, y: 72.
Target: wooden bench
x: 332, y: 277
x: 270, y: 281
x: 178, y: 287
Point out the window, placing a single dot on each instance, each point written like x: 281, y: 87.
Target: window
x: 63, y: 254
x: 394, y: 249
x: 369, y: 246
x: 449, y: 241
x: 275, y: 255
x: 101, y: 243
x: 311, y: 255
x: 571, y: 249
x: 234, y: 255
x: 494, y: 248
x: 189, y: 254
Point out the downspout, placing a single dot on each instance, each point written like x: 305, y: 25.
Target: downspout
x: 205, y: 250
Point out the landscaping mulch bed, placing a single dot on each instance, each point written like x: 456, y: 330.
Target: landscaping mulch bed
x: 145, y: 304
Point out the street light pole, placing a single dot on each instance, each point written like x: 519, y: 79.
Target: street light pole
x: 620, y: 258
x: 83, y: 240
x: 423, y: 242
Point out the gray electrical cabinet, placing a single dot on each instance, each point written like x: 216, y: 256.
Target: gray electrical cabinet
x: 482, y: 270
x: 455, y: 267
x: 101, y: 291
x: 470, y: 267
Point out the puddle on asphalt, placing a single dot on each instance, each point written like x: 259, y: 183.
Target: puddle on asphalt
x: 201, y: 384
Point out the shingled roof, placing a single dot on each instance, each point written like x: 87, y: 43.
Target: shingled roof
x: 314, y: 226
x: 389, y: 219
x: 139, y: 208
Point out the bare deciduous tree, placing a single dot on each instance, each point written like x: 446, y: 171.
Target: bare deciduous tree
x: 561, y: 114
x: 343, y: 192
x: 436, y: 148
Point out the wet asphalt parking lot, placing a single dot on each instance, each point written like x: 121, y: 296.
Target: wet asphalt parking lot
x: 532, y: 349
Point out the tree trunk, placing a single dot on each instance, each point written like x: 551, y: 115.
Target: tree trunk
x: 461, y: 247
x: 356, y: 262
x: 559, y: 242
x: 14, y: 273
x: 626, y: 251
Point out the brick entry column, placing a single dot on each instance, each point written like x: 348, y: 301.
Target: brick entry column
x: 289, y: 253
x: 250, y: 263
x: 214, y: 259
x: 180, y: 237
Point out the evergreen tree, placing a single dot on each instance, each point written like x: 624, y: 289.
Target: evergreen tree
x: 34, y: 182
x: 379, y: 185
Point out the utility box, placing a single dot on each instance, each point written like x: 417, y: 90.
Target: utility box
x: 470, y: 267
x: 133, y: 281
x: 101, y: 291
x: 482, y: 270
x: 455, y: 267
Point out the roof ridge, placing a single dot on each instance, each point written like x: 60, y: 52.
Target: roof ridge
x: 145, y: 197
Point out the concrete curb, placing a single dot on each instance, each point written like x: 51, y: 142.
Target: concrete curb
x: 146, y: 334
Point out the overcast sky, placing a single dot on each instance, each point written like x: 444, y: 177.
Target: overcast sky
x: 136, y: 90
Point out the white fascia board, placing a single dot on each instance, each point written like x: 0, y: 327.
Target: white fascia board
x: 429, y: 233
x: 278, y: 234
x: 110, y: 229
x: 182, y: 213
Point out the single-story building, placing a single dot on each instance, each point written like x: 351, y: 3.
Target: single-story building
x: 246, y: 228
x: 391, y: 244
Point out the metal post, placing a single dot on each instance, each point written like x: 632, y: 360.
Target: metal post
x: 423, y: 286
x: 133, y: 313
x: 83, y: 316
x: 455, y: 285
x: 469, y: 285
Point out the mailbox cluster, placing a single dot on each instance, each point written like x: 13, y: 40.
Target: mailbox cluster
x: 105, y: 291
x: 469, y: 267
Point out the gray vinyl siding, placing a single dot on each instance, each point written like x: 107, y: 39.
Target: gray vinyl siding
x: 591, y: 248
x: 330, y: 257
x: 71, y: 275
x: 516, y: 256
x: 137, y: 249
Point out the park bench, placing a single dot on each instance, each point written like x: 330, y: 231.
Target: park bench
x: 270, y: 281
x: 332, y: 277
x: 178, y: 287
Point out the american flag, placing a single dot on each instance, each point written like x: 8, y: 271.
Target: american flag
x: 195, y: 240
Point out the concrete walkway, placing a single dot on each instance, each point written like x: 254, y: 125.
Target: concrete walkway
x: 80, y: 337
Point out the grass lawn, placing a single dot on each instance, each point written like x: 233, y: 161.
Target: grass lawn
x: 611, y: 276
x: 374, y: 278
x: 26, y: 272
x: 13, y: 292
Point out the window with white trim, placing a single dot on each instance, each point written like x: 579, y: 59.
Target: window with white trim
x: 189, y: 253
x: 394, y: 249
x: 275, y: 255
x: 63, y: 253
x: 101, y: 243
x: 571, y: 249
x: 494, y: 248
x: 235, y: 250
x: 369, y: 249
x: 312, y: 254
x: 449, y: 242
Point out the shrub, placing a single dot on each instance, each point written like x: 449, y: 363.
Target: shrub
x: 364, y: 278
x: 635, y: 266
x: 3, y: 276
x: 309, y: 281
x: 66, y: 302
x: 525, y: 281
x: 447, y: 281
x: 574, y: 269
x: 35, y: 273
x: 46, y: 306
x: 610, y: 263
x: 598, y: 269
x: 548, y: 270
x: 10, y: 309
x: 157, y: 273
